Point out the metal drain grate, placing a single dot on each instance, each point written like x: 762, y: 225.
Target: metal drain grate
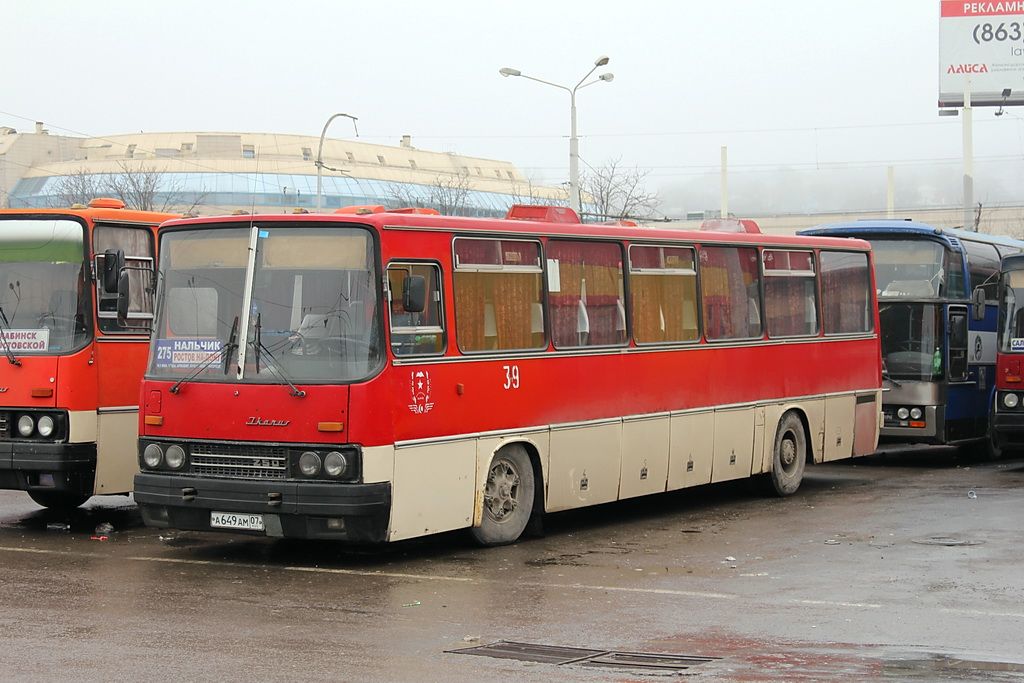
x: 606, y: 659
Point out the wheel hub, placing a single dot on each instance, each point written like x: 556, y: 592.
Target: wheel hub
x: 501, y: 495
x: 787, y: 453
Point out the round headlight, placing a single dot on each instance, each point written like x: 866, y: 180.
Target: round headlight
x: 152, y: 456
x: 26, y: 425
x: 309, y: 464
x: 335, y: 464
x: 915, y: 413
x: 903, y: 413
x: 175, y: 457
x: 1009, y: 400
x: 45, y: 426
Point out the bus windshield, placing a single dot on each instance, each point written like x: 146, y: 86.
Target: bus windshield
x: 1011, y: 337
x: 44, y: 302
x: 915, y: 269
x: 912, y: 340
x: 313, y: 312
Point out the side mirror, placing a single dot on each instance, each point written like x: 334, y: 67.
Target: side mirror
x: 978, y: 304
x: 123, y: 297
x: 414, y: 293
x: 113, y: 264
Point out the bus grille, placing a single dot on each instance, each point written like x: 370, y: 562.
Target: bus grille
x: 239, y: 462
x: 5, y: 425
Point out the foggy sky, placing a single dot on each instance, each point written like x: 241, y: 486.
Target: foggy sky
x: 813, y: 98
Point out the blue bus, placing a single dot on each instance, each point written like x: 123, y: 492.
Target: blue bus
x: 938, y: 309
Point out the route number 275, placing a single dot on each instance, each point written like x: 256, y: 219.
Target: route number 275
x: 511, y: 376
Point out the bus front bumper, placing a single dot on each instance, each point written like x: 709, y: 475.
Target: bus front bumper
x: 895, y: 429
x: 58, y: 467
x: 287, y: 509
x: 1008, y: 430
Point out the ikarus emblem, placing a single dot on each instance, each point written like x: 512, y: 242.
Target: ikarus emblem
x: 419, y: 390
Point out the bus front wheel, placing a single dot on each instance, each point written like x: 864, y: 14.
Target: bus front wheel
x: 58, y: 500
x: 508, y: 497
x: 789, y: 456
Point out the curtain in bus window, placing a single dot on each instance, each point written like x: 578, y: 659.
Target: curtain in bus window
x: 498, y: 306
x: 586, y: 303
x: 730, y: 292
x: 789, y: 290
x: 845, y: 292
x: 663, y: 293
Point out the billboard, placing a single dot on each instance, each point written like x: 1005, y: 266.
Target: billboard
x: 981, y: 44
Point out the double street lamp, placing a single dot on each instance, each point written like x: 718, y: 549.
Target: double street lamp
x: 574, y: 145
x: 320, y: 156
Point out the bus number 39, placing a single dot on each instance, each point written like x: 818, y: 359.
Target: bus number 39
x: 511, y: 376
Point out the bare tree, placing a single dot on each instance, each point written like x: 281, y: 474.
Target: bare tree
x: 79, y: 187
x: 139, y: 187
x: 448, y: 194
x: 146, y: 189
x: 618, y: 192
x: 527, y: 193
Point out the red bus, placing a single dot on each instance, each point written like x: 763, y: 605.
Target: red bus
x: 1006, y: 430
x: 69, y: 369
x: 378, y: 376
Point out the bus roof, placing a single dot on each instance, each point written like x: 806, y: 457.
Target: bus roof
x: 904, y: 228
x: 96, y: 213
x: 528, y: 228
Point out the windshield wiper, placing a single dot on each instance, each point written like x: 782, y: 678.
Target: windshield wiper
x: 274, y: 365
x: 225, y: 353
x: 231, y: 345
x: 259, y: 340
x: 11, y: 358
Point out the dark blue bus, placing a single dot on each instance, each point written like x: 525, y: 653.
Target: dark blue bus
x: 938, y: 307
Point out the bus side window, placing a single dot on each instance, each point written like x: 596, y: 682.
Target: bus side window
x: 730, y: 297
x: 846, y: 292
x: 137, y: 245
x: 416, y: 333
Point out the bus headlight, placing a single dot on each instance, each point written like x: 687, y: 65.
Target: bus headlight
x: 335, y: 464
x: 152, y: 456
x: 903, y: 413
x: 309, y: 464
x: 1009, y: 400
x: 45, y: 426
x: 26, y: 425
x: 175, y: 457
x: 915, y: 413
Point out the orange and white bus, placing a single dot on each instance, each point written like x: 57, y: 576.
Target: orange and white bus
x: 69, y: 369
x: 377, y: 376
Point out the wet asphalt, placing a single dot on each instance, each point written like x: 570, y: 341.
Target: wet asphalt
x: 906, y: 566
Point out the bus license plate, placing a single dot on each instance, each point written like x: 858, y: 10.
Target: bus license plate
x: 233, y: 520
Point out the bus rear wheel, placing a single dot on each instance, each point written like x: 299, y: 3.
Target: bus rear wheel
x: 508, y: 498
x: 789, y: 456
x: 58, y: 500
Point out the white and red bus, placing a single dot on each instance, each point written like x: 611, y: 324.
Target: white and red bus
x: 69, y: 367
x: 378, y: 376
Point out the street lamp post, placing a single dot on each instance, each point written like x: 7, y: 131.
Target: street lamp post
x: 320, y: 156
x: 574, y: 143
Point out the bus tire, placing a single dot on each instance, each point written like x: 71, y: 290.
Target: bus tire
x: 789, y: 456
x: 508, y: 497
x: 58, y: 500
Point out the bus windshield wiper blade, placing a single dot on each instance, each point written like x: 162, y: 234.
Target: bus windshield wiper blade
x: 259, y: 340
x: 214, y: 357
x: 275, y: 367
x: 11, y: 358
x: 231, y: 345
